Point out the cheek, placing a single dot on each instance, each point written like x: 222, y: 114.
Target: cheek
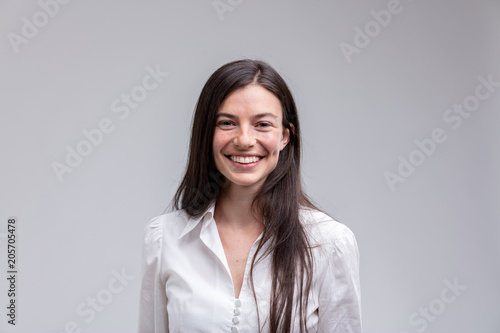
x: 273, y: 146
x: 274, y: 142
x: 219, y: 141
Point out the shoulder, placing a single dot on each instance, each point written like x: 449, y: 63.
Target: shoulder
x: 325, y: 232
x: 165, y: 225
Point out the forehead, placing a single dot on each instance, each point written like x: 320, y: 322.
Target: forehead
x: 250, y: 100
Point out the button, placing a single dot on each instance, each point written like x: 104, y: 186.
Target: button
x: 236, y: 312
x: 236, y: 320
x: 237, y: 303
x: 234, y: 329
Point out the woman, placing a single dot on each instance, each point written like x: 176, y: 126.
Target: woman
x: 245, y: 250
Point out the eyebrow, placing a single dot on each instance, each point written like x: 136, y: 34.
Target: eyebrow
x: 260, y: 115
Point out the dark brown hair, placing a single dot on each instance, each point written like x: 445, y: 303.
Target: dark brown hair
x: 279, y: 199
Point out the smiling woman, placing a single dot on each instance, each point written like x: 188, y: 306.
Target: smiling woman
x: 247, y: 142
x: 252, y: 254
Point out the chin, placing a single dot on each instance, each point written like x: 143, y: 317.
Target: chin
x: 245, y: 182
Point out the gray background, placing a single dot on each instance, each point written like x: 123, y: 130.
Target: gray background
x: 358, y: 116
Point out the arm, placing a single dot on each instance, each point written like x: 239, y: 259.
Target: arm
x: 153, y: 300
x: 339, y: 300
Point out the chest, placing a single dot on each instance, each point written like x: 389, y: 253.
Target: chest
x: 202, y: 297
x: 237, y: 248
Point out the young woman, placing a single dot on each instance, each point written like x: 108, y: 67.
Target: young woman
x: 244, y: 249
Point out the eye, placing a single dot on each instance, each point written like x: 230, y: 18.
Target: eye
x: 264, y: 124
x: 225, y: 123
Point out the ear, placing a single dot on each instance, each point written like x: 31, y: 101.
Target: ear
x: 285, y: 137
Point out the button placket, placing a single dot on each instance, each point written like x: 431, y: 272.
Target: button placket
x: 236, y: 313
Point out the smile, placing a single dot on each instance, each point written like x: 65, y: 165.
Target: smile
x: 244, y: 159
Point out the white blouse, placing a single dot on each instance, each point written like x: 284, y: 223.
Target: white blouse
x: 187, y: 285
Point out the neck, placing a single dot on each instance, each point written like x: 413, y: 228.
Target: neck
x: 233, y: 209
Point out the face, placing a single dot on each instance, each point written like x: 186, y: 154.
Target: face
x: 249, y: 136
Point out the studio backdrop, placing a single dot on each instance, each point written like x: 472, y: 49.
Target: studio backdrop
x: 399, y: 105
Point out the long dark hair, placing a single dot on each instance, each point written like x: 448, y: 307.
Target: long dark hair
x: 279, y: 199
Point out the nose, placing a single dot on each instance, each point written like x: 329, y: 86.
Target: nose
x: 245, y: 138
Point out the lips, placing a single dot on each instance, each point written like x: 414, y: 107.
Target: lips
x: 245, y: 159
x: 249, y: 160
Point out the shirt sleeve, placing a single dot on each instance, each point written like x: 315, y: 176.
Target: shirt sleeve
x: 339, y: 297
x: 153, y: 300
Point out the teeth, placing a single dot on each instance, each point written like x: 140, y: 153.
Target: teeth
x: 241, y: 159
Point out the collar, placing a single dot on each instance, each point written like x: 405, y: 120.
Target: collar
x: 193, y: 222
